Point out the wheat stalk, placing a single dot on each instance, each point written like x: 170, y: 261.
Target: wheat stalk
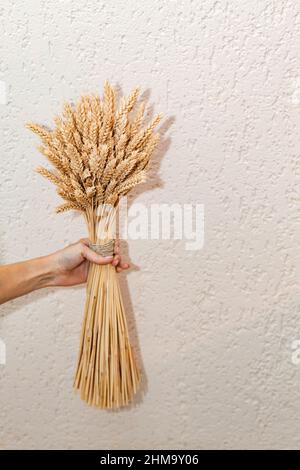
x: 99, y: 153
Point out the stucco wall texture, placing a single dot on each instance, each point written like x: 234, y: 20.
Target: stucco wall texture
x: 214, y: 328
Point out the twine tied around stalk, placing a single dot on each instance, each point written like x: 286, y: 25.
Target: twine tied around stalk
x: 104, y: 249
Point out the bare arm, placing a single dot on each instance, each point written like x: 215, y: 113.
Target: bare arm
x: 20, y: 278
x: 65, y: 267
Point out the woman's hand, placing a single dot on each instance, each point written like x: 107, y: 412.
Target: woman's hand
x: 70, y: 265
x: 66, y: 267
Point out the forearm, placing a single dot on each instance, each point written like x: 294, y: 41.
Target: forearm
x: 66, y: 267
x: 21, y: 278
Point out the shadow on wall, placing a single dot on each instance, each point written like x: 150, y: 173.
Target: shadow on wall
x: 24, y: 301
x: 153, y: 181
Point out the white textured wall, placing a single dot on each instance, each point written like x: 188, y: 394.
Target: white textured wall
x: 214, y: 327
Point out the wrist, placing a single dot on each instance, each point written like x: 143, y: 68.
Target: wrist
x: 42, y: 272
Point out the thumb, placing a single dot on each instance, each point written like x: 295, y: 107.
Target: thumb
x: 93, y: 257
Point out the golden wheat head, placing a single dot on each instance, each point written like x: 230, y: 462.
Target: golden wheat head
x: 98, y: 152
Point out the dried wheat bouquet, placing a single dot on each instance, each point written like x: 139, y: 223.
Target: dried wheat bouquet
x: 99, y: 153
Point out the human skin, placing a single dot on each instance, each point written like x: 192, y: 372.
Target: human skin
x: 66, y: 267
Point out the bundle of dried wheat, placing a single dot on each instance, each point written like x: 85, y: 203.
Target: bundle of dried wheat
x: 99, y: 154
